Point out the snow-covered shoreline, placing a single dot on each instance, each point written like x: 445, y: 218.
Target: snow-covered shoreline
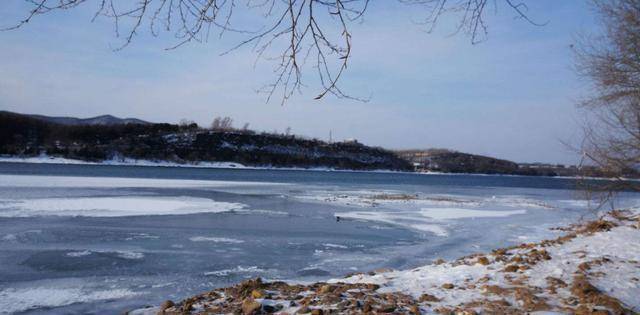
x: 594, y: 267
x: 44, y: 159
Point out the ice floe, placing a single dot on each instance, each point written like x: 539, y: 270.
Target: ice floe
x: 215, y: 239
x: 459, y: 213
x: 236, y: 270
x: 79, y: 253
x: 427, y: 219
x: 402, y: 219
x: 124, y: 254
x: 9, y: 238
x: 14, y: 300
x: 329, y: 245
x: 113, y: 206
x: 116, y: 182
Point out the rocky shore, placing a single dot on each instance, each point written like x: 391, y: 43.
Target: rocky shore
x: 594, y: 268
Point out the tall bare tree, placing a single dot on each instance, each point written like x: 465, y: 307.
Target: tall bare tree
x: 222, y: 124
x: 610, y: 61
x: 296, y: 33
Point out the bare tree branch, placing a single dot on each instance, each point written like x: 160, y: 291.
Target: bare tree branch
x: 611, y: 63
x: 297, y: 33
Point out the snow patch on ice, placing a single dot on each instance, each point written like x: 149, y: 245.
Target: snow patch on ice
x: 79, y: 253
x: 129, y: 255
x: 236, y: 270
x: 9, y: 238
x: 117, y: 182
x: 329, y: 245
x: 124, y: 254
x: 427, y: 219
x: 272, y: 213
x: 403, y: 219
x: 114, y: 206
x: 20, y: 300
x: 215, y: 239
x: 459, y: 213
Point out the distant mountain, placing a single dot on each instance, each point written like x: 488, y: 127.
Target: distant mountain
x: 447, y: 161
x: 103, y: 120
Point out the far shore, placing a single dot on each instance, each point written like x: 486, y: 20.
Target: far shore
x: 45, y: 159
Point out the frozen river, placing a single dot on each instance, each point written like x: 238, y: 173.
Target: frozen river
x: 104, y: 239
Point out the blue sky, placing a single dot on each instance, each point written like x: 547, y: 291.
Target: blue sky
x: 512, y: 96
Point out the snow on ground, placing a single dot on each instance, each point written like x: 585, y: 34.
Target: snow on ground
x: 615, y: 255
x: 113, y: 206
x: 45, y: 159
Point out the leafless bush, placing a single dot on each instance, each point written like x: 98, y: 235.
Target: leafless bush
x: 222, y: 124
x: 611, y: 63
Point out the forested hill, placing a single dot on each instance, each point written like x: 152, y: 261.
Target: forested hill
x: 24, y: 135
x: 447, y: 161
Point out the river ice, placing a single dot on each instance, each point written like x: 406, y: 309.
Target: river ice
x: 95, y: 239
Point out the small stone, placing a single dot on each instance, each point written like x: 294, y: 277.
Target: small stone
x: 428, y: 298
x: 500, y: 251
x: 483, y: 261
x: 372, y: 286
x: 250, y: 306
x: 342, y: 305
x: 382, y: 270
x: 325, y: 289
x: 494, y: 289
x: 584, y: 266
x: 448, y: 286
x: 271, y: 308
x: 257, y: 294
x: 166, y: 304
x: 388, y: 308
x: 585, y: 310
